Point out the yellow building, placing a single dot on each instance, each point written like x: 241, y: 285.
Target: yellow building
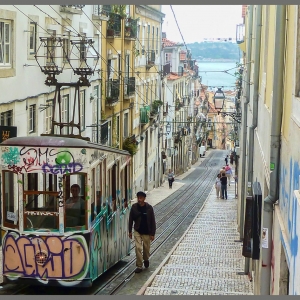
x: 270, y: 158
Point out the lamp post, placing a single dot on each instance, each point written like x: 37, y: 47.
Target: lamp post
x: 219, y: 98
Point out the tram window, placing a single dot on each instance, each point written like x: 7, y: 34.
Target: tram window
x: 93, y: 195
x: 40, y: 199
x: 10, y: 205
x: 75, y: 205
x: 98, y: 189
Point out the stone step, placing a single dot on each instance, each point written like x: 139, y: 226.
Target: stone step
x: 163, y: 291
x: 195, y: 283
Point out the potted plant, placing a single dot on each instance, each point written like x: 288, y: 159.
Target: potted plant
x: 155, y: 105
x: 130, y: 145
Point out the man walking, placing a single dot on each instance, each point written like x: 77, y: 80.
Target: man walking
x: 142, y: 215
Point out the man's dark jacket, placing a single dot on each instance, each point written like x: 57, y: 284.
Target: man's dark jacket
x: 135, y: 216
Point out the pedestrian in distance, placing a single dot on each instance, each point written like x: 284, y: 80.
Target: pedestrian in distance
x: 228, y: 172
x: 231, y: 158
x: 224, y: 186
x: 218, y: 186
x: 226, y: 159
x: 142, y: 215
x: 170, y: 178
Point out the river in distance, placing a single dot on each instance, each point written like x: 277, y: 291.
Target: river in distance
x: 213, y: 74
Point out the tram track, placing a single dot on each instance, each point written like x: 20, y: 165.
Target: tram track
x: 197, y: 191
x: 185, y: 204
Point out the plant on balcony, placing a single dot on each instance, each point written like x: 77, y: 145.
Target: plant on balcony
x: 120, y: 10
x: 130, y: 145
x: 155, y: 105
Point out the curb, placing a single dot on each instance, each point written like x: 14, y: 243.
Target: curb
x: 151, y: 278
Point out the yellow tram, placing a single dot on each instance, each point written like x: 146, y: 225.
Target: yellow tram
x: 48, y: 235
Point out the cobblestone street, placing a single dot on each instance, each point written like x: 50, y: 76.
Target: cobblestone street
x: 207, y: 260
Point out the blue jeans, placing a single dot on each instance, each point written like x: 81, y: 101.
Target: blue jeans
x: 224, y: 190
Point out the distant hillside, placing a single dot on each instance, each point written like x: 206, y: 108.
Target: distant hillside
x: 214, y: 50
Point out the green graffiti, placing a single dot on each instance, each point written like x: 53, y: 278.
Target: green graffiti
x: 20, y: 181
x: 12, y: 156
x: 63, y: 158
x: 83, y: 151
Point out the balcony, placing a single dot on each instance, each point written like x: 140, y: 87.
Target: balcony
x: 144, y: 114
x: 166, y: 69
x: 101, y: 12
x: 113, y: 25
x: 178, y: 105
x: 112, y: 92
x: 129, y: 87
x: 71, y: 9
x: 150, y: 59
x: 240, y: 33
x: 130, y: 29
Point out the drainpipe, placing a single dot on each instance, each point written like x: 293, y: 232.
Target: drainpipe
x: 256, y: 79
x: 277, y: 108
x: 244, y: 122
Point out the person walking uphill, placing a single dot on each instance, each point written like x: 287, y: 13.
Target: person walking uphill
x: 170, y: 178
x: 223, y: 185
x: 142, y: 215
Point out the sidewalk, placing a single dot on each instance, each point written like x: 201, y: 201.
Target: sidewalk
x: 206, y: 260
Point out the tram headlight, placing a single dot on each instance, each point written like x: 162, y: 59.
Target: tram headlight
x: 41, y: 257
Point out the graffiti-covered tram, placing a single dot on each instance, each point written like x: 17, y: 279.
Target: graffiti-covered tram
x: 44, y: 239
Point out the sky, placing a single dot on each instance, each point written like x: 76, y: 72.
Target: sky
x: 201, y: 21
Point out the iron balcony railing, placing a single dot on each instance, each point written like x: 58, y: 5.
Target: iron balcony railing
x: 131, y: 28
x: 151, y: 57
x: 129, y: 86
x: 112, y: 91
x: 114, y: 25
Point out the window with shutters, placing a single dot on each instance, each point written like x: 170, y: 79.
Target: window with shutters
x: 5, y: 43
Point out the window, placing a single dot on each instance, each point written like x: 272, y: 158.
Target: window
x: 66, y: 47
x: 95, y: 135
x: 5, y: 43
x: 65, y: 113
x: 10, y: 209
x: 75, y: 214
x: 82, y: 48
x: 51, y: 48
x: 148, y: 39
x: 118, y: 129
x: 32, y: 118
x: 6, y: 118
x: 32, y: 37
x: 157, y: 41
x: 152, y: 38
x: 126, y: 125
x: 82, y: 110
x: 168, y: 58
x: 48, y: 116
x: 137, y: 43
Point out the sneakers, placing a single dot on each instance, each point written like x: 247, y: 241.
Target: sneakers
x: 146, y: 263
x: 138, y: 270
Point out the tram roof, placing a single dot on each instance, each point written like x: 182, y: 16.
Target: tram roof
x: 57, y: 141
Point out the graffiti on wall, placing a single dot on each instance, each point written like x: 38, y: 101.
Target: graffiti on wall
x: 289, y: 181
x: 45, y: 258
x: 48, y: 160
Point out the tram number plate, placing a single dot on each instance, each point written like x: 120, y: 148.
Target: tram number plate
x: 11, y: 216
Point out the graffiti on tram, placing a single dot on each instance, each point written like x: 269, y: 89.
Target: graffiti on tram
x: 48, y: 258
x: 47, y: 160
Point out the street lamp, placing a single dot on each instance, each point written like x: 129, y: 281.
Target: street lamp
x: 219, y: 98
x: 168, y: 128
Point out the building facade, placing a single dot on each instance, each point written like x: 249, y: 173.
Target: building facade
x: 269, y: 159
